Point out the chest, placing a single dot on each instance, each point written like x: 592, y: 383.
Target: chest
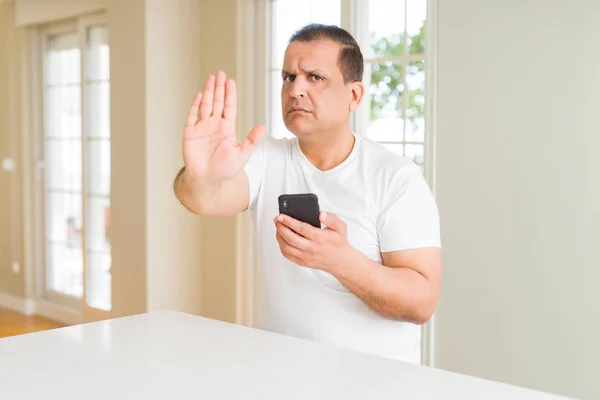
x: 346, y: 193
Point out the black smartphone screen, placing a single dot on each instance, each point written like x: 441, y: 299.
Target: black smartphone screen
x: 303, y: 207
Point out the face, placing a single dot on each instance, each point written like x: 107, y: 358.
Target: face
x: 314, y: 97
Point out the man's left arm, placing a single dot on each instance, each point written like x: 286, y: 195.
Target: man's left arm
x: 405, y: 287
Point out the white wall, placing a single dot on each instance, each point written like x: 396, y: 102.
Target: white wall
x: 166, y: 257
x: 11, y: 282
x: 127, y: 38
x: 174, y: 236
x: 519, y: 192
x: 219, y: 34
x: 160, y: 258
x: 29, y: 12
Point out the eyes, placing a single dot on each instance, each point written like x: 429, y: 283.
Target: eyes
x: 311, y: 78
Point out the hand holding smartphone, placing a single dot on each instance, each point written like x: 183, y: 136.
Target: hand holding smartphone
x: 303, y: 207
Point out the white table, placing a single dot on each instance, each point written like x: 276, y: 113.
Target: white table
x: 169, y: 355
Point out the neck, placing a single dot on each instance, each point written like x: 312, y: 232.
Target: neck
x: 327, y: 151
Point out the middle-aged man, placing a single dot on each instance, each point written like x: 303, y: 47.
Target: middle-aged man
x: 371, y: 275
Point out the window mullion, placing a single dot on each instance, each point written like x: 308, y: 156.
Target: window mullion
x: 81, y: 29
x: 360, y: 30
x: 348, y: 15
x: 404, y: 69
x: 403, y: 58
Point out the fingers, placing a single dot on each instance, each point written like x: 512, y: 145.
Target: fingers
x: 291, y: 237
x: 230, y: 112
x: 289, y: 252
x: 192, y: 116
x: 333, y: 222
x: 301, y: 228
x: 206, y: 104
x: 219, y: 99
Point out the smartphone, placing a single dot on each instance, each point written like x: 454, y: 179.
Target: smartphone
x: 303, y: 207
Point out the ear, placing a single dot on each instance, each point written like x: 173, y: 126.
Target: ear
x: 357, y: 90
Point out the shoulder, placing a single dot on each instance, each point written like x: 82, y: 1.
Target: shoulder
x: 393, y: 178
x: 383, y: 161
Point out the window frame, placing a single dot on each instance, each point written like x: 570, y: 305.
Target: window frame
x: 358, y: 26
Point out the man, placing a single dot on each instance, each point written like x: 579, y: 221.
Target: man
x: 371, y: 275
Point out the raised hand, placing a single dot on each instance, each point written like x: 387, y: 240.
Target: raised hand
x: 211, y: 151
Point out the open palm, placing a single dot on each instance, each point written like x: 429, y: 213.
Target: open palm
x: 211, y: 150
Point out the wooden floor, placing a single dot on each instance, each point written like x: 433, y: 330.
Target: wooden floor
x: 12, y: 323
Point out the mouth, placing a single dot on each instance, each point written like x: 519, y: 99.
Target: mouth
x: 297, y: 110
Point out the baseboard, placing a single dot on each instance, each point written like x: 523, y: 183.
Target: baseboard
x: 15, y: 303
x: 29, y: 307
x: 55, y: 312
x: 43, y: 308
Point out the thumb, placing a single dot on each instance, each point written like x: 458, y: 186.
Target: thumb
x: 333, y: 222
x: 253, y: 140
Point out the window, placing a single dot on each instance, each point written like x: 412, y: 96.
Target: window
x: 76, y: 163
x: 391, y: 34
x: 394, y: 51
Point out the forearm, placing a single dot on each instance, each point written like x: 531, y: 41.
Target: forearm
x: 195, y: 195
x: 399, y: 292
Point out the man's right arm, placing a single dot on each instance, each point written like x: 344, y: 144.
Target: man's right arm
x: 229, y: 198
x: 213, y: 181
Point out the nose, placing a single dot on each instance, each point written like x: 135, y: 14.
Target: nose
x: 297, y: 89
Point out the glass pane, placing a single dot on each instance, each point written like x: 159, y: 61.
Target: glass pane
x: 290, y: 15
x: 326, y: 12
x: 98, y: 61
x: 63, y: 64
x: 63, y: 164
x: 386, y: 130
x: 99, y: 280
x: 64, y: 218
x: 98, y: 167
x: 385, y: 99
x: 386, y: 28
x: 415, y: 152
x: 385, y: 90
x: 98, y: 224
x: 415, y: 130
x: 98, y: 109
x: 277, y: 128
x: 415, y: 25
x: 415, y: 80
x: 64, y: 269
x: 415, y: 112
x: 99, y: 253
x: 62, y: 111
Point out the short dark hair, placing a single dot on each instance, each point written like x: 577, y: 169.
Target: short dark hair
x: 350, y: 59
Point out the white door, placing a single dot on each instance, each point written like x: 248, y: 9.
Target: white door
x: 73, y: 177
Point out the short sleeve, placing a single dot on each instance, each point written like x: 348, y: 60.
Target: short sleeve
x: 254, y: 170
x: 409, y: 216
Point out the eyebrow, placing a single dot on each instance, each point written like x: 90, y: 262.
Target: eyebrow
x: 307, y: 71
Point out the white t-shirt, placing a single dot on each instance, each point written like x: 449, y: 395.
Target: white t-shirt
x: 386, y: 205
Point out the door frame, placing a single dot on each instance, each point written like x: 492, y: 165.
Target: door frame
x: 32, y: 41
